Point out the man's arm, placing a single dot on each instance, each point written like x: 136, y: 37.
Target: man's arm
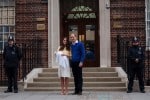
x: 131, y: 55
x: 142, y: 57
x: 82, y: 54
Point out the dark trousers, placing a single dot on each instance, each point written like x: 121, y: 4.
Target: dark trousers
x: 12, y: 78
x: 78, y: 79
x: 138, y: 71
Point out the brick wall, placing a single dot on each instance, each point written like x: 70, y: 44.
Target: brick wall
x: 127, y: 20
x: 27, y: 14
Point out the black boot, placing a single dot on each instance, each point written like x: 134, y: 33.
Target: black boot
x: 129, y: 91
x: 142, y: 91
x: 15, y: 91
x: 7, y: 91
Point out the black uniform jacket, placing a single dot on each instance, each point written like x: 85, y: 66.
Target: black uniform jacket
x: 136, y: 52
x: 12, y: 56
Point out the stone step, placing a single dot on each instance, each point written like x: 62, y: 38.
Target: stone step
x: 95, y: 79
x: 72, y: 89
x: 85, y: 79
x: 85, y: 74
x: 84, y: 69
x: 71, y: 84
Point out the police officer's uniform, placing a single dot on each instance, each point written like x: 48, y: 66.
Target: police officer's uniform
x: 136, y: 65
x: 12, y: 56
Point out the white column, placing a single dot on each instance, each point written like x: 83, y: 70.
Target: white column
x: 105, y: 46
x: 53, y: 30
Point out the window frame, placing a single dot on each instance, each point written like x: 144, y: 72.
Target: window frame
x: 147, y: 17
x: 5, y: 8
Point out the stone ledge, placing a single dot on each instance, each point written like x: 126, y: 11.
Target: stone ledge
x: 122, y: 74
x: 31, y: 75
x: 147, y: 88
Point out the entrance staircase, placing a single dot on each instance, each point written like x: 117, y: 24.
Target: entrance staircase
x: 94, y: 79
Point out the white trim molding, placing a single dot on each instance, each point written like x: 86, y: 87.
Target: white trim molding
x: 53, y: 30
x: 105, y: 37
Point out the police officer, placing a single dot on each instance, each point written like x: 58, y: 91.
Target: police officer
x: 12, y: 56
x: 136, y: 65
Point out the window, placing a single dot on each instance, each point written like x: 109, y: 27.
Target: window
x: 82, y: 13
x: 147, y: 23
x: 44, y: 1
x: 7, y: 21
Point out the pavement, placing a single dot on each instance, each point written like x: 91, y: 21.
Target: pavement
x: 26, y: 95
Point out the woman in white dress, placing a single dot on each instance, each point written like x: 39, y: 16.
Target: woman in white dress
x: 62, y: 57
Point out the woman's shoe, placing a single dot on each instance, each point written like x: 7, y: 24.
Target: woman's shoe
x: 66, y: 93
x: 62, y: 93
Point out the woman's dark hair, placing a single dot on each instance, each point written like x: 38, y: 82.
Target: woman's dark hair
x: 62, y: 46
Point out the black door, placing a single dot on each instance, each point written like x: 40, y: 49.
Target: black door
x: 82, y: 18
